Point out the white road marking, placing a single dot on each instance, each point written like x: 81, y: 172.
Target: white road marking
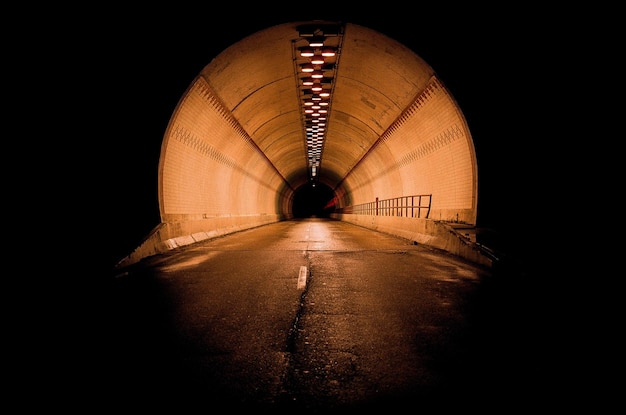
x: 302, y: 278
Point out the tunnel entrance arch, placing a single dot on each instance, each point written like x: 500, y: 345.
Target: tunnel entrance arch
x: 232, y: 153
x: 313, y: 200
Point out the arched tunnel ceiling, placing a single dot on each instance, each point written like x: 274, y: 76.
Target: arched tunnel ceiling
x: 372, y: 80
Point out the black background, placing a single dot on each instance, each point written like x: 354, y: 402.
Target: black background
x: 103, y: 81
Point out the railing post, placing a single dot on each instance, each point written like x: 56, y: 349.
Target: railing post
x: 419, y: 206
x: 376, y: 206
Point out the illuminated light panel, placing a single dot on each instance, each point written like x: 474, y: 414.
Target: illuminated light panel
x: 309, y: 52
x: 317, y: 60
x: 316, y: 41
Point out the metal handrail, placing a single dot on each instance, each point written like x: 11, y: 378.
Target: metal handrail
x: 406, y: 206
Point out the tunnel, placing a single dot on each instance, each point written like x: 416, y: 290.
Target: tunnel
x: 316, y: 118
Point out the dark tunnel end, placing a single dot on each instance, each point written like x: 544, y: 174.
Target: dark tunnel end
x: 313, y: 200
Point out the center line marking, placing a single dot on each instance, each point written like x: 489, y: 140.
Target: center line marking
x: 302, y: 278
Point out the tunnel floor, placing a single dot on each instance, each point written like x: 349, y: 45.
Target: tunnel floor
x: 381, y: 323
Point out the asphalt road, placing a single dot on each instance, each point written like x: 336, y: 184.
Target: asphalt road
x: 316, y: 316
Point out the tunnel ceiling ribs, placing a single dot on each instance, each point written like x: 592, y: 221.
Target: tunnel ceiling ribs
x: 316, y: 57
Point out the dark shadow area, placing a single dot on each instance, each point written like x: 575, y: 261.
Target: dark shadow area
x: 313, y: 200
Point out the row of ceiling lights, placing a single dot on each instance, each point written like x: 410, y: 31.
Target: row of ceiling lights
x: 316, y: 76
